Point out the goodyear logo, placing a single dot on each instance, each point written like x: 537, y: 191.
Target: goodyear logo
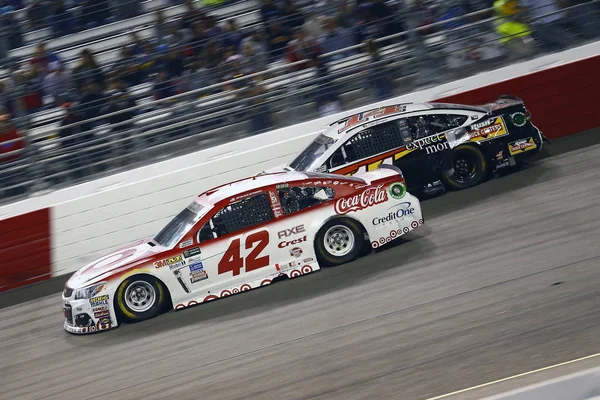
x: 168, y: 261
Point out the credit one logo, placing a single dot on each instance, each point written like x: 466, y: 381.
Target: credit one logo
x: 404, y: 210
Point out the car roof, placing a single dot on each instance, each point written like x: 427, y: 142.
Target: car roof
x: 232, y: 189
x: 391, y: 111
x: 402, y: 109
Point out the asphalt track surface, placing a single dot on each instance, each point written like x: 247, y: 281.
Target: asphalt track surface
x: 502, y: 279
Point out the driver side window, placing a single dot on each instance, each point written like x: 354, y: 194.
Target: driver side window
x: 368, y: 143
x: 237, y: 216
x: 430, y: 124
x: 296, y: 198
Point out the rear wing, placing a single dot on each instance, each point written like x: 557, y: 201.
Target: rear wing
x: 504, y: 101
x: 383, y: 172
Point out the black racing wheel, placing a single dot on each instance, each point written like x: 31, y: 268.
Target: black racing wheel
x: 339, y: 241
x: 139, y: 298
x: 464, y: 167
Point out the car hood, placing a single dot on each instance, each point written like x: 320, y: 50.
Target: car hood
x: 101, y: 268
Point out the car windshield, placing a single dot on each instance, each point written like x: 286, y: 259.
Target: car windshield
x: 306, y: 160
x: 174, y: 231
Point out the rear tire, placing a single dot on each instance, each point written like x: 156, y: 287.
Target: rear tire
x: 339, y: 241
x: 464, y: 167
x: 139, y: 298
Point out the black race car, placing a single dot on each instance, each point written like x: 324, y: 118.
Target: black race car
x: 437, y: 146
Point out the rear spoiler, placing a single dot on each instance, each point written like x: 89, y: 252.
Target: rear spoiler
x: 383, y: 172
x: 504, y: 101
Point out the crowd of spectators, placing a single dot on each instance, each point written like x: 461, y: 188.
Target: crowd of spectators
x: 65, y: 17
x: 194, y: 52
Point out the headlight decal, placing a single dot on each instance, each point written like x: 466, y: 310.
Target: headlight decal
x: 90, y: 291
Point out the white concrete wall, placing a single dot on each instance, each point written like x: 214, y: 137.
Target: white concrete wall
x: 584, y: 385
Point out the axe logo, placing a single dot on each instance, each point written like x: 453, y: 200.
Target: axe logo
x: 296, y: 230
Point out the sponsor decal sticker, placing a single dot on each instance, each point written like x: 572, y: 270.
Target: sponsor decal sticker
x: 276, y: 206
x: 196, y: 267
x: 369, y: 197
x: 483, y: 124
x: 295, y: 230
x: 519, y: 119
x: 308, y: 260
x: 493, y: 128
x: 177, y: 265
x: 104, y: 321
x: 396, y: 212
x: 192, y: 252
x: 172, y: 262
x: 296, y: 252
x: 431, y: 144
x: 100, y: 314
x: 282, y: 186
x: 290, y: 265
x: 197, y: 272
x: 99, y: 301
x: 273, y: 197
x: 368, y: 116
x: 287, y: 243
x: 397, y: 190
x: 521, y: 146
x: 187, y: 243
x: 198, y: 276
x: 243, y: 196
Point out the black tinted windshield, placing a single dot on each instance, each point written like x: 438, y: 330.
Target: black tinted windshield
x: 306, y: 160
x: 174, y: 231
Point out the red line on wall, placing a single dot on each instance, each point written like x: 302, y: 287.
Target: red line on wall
x: 563, y: 100
x: 25, y: 249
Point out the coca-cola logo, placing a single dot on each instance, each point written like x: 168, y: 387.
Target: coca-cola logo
x: 369, y: 197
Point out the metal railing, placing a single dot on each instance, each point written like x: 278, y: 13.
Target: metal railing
x: 267, y: 100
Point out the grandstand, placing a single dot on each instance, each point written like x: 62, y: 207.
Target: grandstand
x: 185, y: 83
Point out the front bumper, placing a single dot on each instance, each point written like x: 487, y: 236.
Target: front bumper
x: 88, y: 315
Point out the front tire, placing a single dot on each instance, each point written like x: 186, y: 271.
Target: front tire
x: 339, y: 241
x: 139, y: 298
x: 464, y: 167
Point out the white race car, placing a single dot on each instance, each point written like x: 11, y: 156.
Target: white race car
x: 241, y: 236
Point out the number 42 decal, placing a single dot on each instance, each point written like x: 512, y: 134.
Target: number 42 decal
x: 232, y: 260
